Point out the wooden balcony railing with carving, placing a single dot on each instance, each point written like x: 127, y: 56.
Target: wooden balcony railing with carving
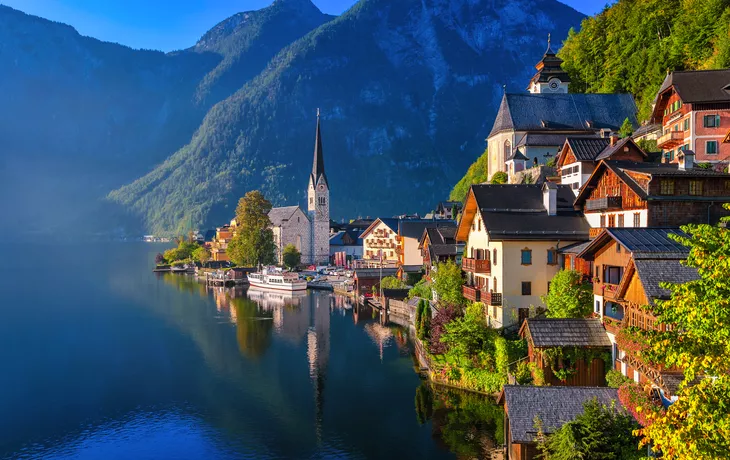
x: 492, y: 298
x: 476, y: 266
x: 471, y: 293
x: 594, y: 232
x: 604, y: 204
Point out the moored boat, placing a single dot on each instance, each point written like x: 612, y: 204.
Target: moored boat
x: 277, y: 280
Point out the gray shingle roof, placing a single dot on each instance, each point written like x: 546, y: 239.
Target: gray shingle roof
x: 652, y: 243
x: 554, y: 406
x: 699, y: 85
x: 516, y: 212
x: 575, y: 248
x: 651, y: 272
x: 567, y: 332
x: 587, y: 149
x: 571, y: 111
x: 549, y: 139
x: 362, y: 273
x: 415, y: 228
x: 279, y: 215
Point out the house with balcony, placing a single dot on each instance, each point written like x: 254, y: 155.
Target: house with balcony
x: 512, y: 234
x: 641, y: 194
x: 579, y: 156
x: 629, y: 266
x: 380, y: 241
x: 693, y: 108
x: 437, y: 245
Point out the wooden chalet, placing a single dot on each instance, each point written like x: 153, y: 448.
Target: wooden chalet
x: 578, y: 157
x: 586, y: 334
x: 552, y: 406
x: 629, y: 265
x: 641, y: 194
x: 438, y: 244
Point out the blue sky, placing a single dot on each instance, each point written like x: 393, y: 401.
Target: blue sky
x: 171, y: 24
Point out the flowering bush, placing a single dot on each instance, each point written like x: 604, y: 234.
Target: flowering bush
x: 438, y: 327
x: 638, y: 402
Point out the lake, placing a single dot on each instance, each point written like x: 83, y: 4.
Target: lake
x: 103, y: 359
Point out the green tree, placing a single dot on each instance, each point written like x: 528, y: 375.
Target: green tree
x: 599, y: 433
x: 391, y: 282
x: 627, y: 128
x: 253, y: 243
x: 421, y: 289
x: 476, y: 174
x: 468, y: 335
x: 500, y: 177
x: 183, y: 251
x: 447, y: 283
x: 697, y: 340
x: 569, y: 296
x: 292, y: 257
x: 201, y: 254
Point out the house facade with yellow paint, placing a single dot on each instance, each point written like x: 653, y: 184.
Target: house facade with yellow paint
x: 512, y: 234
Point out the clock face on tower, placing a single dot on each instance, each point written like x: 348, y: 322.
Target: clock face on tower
x: 321, y: 187
x: 554, y: 84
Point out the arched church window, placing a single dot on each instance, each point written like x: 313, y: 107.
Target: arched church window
x: 507, y: 149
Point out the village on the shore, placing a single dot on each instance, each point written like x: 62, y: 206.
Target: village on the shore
x: 557, y: 262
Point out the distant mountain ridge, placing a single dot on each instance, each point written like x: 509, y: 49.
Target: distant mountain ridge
x: 407, y: 91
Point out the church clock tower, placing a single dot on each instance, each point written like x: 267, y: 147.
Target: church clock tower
x: 318, y: 194
x: 550, y: 76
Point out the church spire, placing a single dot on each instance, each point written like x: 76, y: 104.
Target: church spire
x: 318, y: 165
x: 550, y: 76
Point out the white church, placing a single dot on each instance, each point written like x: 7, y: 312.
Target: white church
x: 310, y: 231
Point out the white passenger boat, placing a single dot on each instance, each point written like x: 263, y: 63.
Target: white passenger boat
x: 277, y: 280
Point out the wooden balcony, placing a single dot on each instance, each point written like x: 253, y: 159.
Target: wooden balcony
x: 635, y: 316
x: 492, y: 298
x: 670, y: 139
x: 471, y: 293
x: 476, y: 266
x: 594, y: 232
x: 604, y: 204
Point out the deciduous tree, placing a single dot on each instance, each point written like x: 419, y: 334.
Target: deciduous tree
x: 569, y: 296
x: 253, y: 243
x: 447, y: 283
x: 599, y: 433
x: 292, y: 257
x: 697, y: 425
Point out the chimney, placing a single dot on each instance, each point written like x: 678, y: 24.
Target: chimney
x: 613, y: 138
x: 686, y: 160
x: 550, y: 198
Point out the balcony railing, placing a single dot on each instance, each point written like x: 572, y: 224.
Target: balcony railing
x: 594, y: 232
x: 476, y: 266
x: 471, y: 293
x: 670, y: 139
x: 603, y: 204
x: 492, y: 298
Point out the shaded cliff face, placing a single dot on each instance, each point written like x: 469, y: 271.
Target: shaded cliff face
x: 79, y: 117
x: 408, y: 91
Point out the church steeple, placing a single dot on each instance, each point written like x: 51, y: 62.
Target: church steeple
x: 550, y: 76
x: 318, y: 164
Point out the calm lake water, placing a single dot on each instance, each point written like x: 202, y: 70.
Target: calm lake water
x: 102, y: 359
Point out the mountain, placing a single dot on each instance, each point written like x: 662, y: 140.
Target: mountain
x: 80, y: 117
x: 656, y: 36
x: 247, y: 42
x: 408, y: 91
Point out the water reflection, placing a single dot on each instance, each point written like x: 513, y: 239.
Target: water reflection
x: 468, y: 424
